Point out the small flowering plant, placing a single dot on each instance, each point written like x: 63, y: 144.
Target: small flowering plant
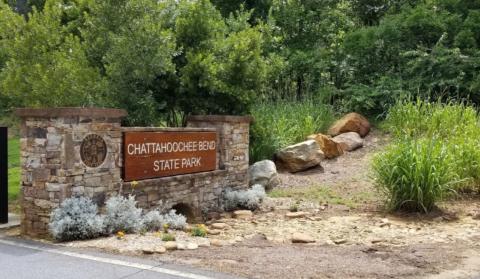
x: 199, y: 230
x: 120, y: 235
x: 165, y: 228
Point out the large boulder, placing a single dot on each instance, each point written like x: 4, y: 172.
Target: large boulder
x: 264, y: 173
x: 300, y: 156
x: 330, y: 148
x: 349, y: 141
x: 352, y: 122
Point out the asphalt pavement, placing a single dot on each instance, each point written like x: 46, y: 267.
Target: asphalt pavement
x: 21, y: 258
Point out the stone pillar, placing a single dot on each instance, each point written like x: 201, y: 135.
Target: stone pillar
x: 233, y: 134
x: 52, y: 167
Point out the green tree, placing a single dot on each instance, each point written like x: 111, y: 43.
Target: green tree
x: 128, y: 42
x: 44, y: 65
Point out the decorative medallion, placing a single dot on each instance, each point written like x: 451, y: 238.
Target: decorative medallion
x: 93, y: 150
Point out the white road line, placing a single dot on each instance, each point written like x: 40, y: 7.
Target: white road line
x: 108, y: 261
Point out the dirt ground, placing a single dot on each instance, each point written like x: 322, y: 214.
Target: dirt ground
x: 354, y: 238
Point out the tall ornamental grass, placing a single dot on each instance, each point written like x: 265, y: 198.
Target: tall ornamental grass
x: 415, y: 173
x: 278, y: 125
x: 436, y: 153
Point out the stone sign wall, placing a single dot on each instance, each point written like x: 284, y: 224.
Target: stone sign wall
x: 79, y: 152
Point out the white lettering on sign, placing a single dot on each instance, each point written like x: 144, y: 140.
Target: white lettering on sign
x: 169, y: 147
x: 174, y: 164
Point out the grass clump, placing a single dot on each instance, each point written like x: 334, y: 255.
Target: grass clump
x: 168, y: 237
x: 436, y: 153
x: 415, y: 173
x: 293, y: 208
x: 278, y: 125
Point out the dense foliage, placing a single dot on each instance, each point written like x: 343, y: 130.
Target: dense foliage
x: 162, y: 60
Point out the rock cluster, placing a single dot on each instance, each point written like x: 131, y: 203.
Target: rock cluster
x: 343, y: 136
x: 347, y: 135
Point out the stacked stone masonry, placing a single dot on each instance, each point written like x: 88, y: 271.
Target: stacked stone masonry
x: 52, y: 169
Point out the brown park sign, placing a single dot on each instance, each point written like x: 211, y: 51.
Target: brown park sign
x: 157, y: 154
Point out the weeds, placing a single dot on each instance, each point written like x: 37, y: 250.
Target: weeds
x: 293, y: 208
x: 168, y: 237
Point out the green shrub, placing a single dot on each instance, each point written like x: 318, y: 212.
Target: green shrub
x: 415, y: 173
x: 278, y: 125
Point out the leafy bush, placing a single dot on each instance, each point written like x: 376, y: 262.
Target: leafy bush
x: 278, y: 125
x: 154, y: 220
x: 76, y: 218
x: 248, y: 199
x: 415, y: 174
x: 121, y: 214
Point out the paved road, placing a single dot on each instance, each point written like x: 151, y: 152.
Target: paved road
x: 28, y: 259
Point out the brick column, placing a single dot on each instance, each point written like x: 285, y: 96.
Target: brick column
x: 52, y: 168
x: 233, y: 135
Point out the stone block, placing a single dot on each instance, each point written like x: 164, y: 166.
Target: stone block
x: 33, y: 163
x: 42, y: 203
x: 36, y: 132
x: 40, y: 142
x: 102, y: 127
x: 153, y: 196
x: 93, y: 182
x: 54, y: 139
x: 41, y: 175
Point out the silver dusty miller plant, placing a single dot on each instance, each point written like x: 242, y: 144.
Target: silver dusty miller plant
x: 247, y: 199
x: 156, y: 219
x: 76, y: 218
x: 121, y: 214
